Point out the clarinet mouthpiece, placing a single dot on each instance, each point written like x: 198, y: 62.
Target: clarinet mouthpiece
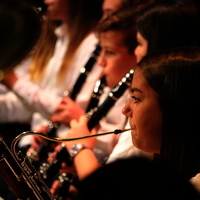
x: 117, y: 131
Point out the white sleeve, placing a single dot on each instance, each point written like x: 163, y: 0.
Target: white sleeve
x: 12, y: 109
x: 36, y: 98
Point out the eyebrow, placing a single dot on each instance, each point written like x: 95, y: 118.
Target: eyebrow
x: 135, y: 90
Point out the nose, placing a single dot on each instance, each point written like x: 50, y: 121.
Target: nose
x: 126, y: 109
x: 101, y: 60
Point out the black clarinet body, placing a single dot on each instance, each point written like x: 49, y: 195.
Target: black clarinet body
x: 21, y: 176
x: 84, y: 72
x: 65, y: 180
x: 37, y: 156
x: 49, y: 170
x: 97, y: 92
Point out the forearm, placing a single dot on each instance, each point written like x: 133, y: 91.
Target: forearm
x: 85, y: 160
x: 85, y: 163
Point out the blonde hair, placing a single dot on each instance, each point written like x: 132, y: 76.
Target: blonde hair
x: 82, y: 18
x: 43, y: 51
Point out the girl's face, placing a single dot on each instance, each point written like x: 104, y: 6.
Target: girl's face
x: 57, y: 9
x: 142, y: 47
x: 114, y: 57
x: 145, y: 116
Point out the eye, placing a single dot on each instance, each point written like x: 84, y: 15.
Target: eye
x: 136, y: 100
x: 110, y: 52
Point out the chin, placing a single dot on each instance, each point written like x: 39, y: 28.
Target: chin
x: 134, y: 134
x: 134, y: 139
x: 135, y: 144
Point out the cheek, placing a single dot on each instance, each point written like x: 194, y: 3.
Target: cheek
x: 114, y: 68
x: 123, y: 64
x: 147, y: 133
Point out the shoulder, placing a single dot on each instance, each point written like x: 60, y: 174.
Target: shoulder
x: 90, y: 41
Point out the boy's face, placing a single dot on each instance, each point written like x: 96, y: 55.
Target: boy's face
x: 114, y: 57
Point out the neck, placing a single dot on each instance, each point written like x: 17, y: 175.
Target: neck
x: 65, y: 27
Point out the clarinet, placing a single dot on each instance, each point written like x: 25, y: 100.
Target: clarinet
x: 65, y: 180
x: 84, y: 72
x: 41, y: 153
x: 21, y: 176
x: 97, y: 113
x: 94, y: 115
x: 97, y: 92
x: 47, y: 169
